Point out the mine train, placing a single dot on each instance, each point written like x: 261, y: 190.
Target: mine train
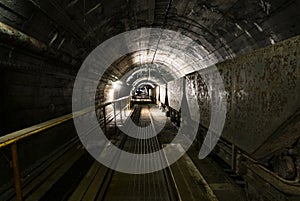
x: 260, y: 140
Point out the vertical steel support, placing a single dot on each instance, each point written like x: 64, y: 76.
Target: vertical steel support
x: 129, y: 104
x: 233, y: 158
x: 16, y: 169
x: 115, y: 116
x: 104, y: 120
x: 121, y: 112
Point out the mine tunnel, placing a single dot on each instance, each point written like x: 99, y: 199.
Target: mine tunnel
x: 150, y: 100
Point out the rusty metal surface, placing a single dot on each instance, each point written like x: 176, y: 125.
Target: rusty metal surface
x: 175, y: 91
x: 194, y: 87
x: 12, y: 35
x: 262, y: 90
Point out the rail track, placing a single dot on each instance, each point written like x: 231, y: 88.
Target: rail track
x: 116, y: 186
x: 72, y: 174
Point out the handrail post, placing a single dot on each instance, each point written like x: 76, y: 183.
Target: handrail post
x: 121, y: 112
x: 115, y: 116
x: 104, y: 119
x: 233, y: 157
x: 16, y: 169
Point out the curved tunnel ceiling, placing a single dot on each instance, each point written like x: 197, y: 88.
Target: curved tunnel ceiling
x: 233, y: 26
x: 164, y: 62
x: 224, y: 29
x: 157, y: 73
x: 159, y: 55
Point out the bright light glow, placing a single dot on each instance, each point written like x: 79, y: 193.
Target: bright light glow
x: 110, y: 95
x: 117, y: 85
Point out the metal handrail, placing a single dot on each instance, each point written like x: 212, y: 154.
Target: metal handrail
x: 13, y: 138
x: 24, y: 133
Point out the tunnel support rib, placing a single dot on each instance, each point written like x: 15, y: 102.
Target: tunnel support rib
x: 15, y: 36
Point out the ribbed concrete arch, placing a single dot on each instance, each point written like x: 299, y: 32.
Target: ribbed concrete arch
x: 163, y: 55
